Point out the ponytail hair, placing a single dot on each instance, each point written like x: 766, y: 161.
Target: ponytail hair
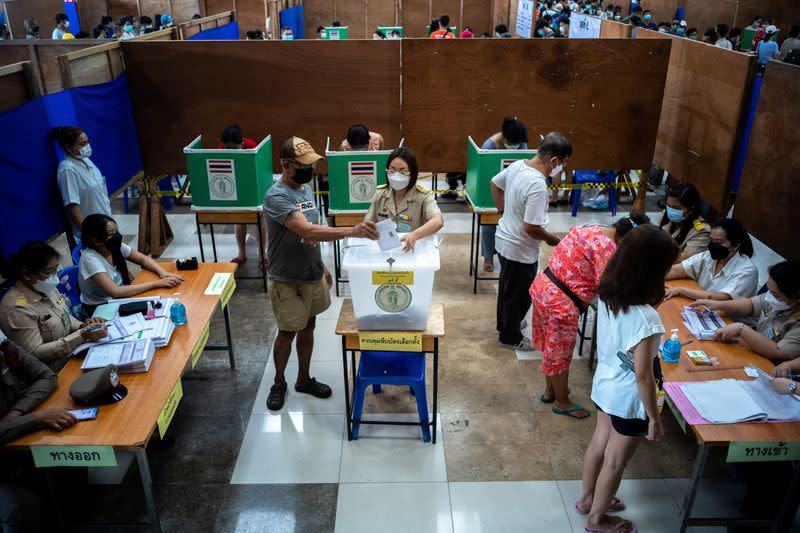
x: 66, y: 136
x: 33, y: 257
x: 627, y: 223
x: 514, y: 131
x: 735, y: 232
x: 93, y: 229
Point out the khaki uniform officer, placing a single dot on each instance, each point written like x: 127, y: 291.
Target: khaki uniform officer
x: 696, y: 239
x: 412, y: 207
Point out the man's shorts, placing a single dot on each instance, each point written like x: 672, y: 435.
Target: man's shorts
x: 295, y: 303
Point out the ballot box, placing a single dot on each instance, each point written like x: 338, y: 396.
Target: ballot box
x: 482, y: 166
x: 229, y: 179
x: 354, y: 177
x: 391, y: 290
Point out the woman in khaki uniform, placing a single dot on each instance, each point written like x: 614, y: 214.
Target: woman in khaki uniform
x: 36, y: 316
x: 683, y: 221
x: 412, y: 207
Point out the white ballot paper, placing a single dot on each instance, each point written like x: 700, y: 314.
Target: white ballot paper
x: 388, y: 238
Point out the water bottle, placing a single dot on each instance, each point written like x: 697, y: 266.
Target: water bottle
x: 671, y: 352
x: 177, y: 311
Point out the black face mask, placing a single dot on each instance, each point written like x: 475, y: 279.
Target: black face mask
x: 303, y: 175
x: 718, y: 251
x: 114, y: 242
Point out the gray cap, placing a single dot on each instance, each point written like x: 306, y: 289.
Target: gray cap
x: 98, y: 387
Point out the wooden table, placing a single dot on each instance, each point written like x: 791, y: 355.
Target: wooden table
x: 348, y: 329
x: 129, y: 424
x: 709, y: 435
x: 342, y: 219
x: 483, y: 217
x: 209, y: 216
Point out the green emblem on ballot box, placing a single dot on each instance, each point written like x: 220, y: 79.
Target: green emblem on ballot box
x: 393, y: 298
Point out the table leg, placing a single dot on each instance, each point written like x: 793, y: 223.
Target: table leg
x: 477, y: 253
x: 337, y: 272
x: 697, y: 473
x: 261, y: 250
x: 472, y: 244
x: 200, y: 239
x: 51, y: 487
x: 147, y: 485
x: 228, y: 335
x: 435, y: 384
x: 789, y: 505
x: 213, y: 242
x: 346, y: 390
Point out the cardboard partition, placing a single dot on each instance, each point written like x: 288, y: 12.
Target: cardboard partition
x: 180, y: 90
x: 16, y: 85
x: 579, y: 87
x: 704, y: 104
x: 482, y: 166
x: 768, y: 195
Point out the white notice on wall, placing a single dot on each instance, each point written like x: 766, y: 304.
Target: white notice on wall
x: 221, y: 179
x: 584, y: 27
x: 524, y: 18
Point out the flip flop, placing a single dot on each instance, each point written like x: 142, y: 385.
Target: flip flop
x: 545, y: 399
x: 615, y: 506
x: 239, y: 261
x: 488, y: 267
x: 621, y: 524
x: 568, y: 412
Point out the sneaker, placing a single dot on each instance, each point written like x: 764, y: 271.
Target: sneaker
x: 277, y: 395
x: 524, y: 345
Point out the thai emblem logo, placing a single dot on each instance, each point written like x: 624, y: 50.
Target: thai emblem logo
x: 393, y: 298
x: 221, y: 179
x: 363, y: 181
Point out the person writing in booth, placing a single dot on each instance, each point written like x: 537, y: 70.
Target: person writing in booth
x: 682, y: 220
x: 777, y: 334
x: 299, y: 283
x: 412, y: 207
x: 725, y: 271
x: 360, y: 139
x: 103, y: 273
x: 36, y: 316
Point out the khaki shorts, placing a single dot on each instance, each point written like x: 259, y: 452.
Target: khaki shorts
x: 294, y: 303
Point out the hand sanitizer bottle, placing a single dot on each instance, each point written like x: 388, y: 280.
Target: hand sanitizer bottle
x: 671, y: 352
x: 177, y: 311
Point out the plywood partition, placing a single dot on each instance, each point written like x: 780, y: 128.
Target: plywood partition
x: 193, y: 27
x: 610, y: 29
x: 16, y: 85
x: 276, y: 97
x: 768, y: 195
x: 700, y: 127
x: 572, y: 86
x: 43, y: 55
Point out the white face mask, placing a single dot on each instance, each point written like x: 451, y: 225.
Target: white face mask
x: 85, y: 151
x: 66, y: 24
x: 47, y: 285
x: 775, y: 303
x: 512, y: 146
x: 397, y: 180
x: 557, y: 170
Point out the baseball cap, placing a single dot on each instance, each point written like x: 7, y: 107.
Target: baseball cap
x: 166, y: 19
x: 771, y: 29
x: 300, y: 150
x: 683, y: 24
x: 98, y: 387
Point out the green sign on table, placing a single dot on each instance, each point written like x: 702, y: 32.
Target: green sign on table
x: 762, y: 451
x: 50, y: 456
x: 483, y: 165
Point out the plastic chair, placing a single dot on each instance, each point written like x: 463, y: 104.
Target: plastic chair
x: 68, y: 286
x: 595, y: 176
x: 76, y: 253
x: 4, y: 287
x: 391, y: 368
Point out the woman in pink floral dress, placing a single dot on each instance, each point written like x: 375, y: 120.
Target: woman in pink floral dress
x: 559, y: 295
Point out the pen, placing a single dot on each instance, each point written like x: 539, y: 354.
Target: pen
x: 93, y: 328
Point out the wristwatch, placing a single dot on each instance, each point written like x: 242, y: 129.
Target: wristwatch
x: 793, y: 387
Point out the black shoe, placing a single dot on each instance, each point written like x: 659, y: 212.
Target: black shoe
x: 449, y: 195
x: 277, y: 395
x: 314, y: 388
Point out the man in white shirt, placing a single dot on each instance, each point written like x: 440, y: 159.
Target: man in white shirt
x: 520, y: 194
x: 62, y: 25
x: 722, y: 34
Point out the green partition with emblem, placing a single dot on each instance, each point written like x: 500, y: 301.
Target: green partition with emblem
x: 386, y: 30
x: 229, y: 178
x: 482, y: 166
x: 354, y: 177
x: 336, y: 33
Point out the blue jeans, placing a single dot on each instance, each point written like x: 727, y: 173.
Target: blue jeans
x: 487, y: 241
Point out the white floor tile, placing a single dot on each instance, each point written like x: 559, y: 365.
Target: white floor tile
x: 516, y: 506
x: 327, y: 372
x: 332, y: 313
x: 649, y: 505
x: 457, y: 223
x: 393, y: 453
x: 715, y: 498
x: 295, y: 448
x: 393, y: 507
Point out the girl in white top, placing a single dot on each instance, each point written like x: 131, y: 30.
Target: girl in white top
x: 725, y: 271
x: 103, y: 273
x: 624, y: 386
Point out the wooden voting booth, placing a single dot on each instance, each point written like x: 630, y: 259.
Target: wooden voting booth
x: 353, y: 177
x: 482, y: 166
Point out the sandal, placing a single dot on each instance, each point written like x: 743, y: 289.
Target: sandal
x: 618, y: 527
x: 573, y: 409
x: 277, y: 395
x: 615, y: 506
x: 239, y: 261
x: 545, y: 399
x: 488, y: 265
x: 264, y: 264
x: 314, y: 388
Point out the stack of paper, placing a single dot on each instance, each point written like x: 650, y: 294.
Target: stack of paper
x: 702, y: 323
x: 119, y: 329
x: 131, y: 356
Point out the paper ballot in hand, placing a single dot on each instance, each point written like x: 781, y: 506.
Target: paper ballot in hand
x: 388, y: 238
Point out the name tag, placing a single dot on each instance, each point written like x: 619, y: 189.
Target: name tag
x: 305, y: 206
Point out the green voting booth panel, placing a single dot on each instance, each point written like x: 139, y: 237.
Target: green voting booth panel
x: 482, y: 166
x: 387, y: 30
x: 336, y: 33
x: 747, y: 39
x: 353, y: 177
x: 229, y: 178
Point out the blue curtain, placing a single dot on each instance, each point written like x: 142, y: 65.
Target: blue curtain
x: 228, y: 32
x: 294, y: 18
x: 71, y: 10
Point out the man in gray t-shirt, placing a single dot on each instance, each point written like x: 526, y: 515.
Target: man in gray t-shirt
x: 299, y: 283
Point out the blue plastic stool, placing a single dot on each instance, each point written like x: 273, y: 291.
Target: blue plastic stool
x: 76, y: 254
x: 68, y: 286
x: 595, y: 176
x: 391, y: 368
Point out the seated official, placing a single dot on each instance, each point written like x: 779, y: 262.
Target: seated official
x: 360, y: 139
x: 777, y: 335
x: 36, y: 316
x: 725, y: 271
x: 103, y: 271
x: 682, y: 220
x: 411, y: 206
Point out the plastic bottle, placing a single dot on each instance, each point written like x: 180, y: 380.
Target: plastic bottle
x: 671, y: 352
x: 177, y: 311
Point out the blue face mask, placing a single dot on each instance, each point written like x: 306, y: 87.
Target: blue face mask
x: 680, y: 31
x: 648, y: 18
x: 674, y: 215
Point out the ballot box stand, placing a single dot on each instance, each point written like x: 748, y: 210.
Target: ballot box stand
x: 336, y: 33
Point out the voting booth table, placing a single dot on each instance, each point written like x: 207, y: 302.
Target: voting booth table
x: 482, y: 166
x: 391, y: 313
x: 353, y: 179
x: 336, y: 33
x: 228, y: 187
x: 745, y: 442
